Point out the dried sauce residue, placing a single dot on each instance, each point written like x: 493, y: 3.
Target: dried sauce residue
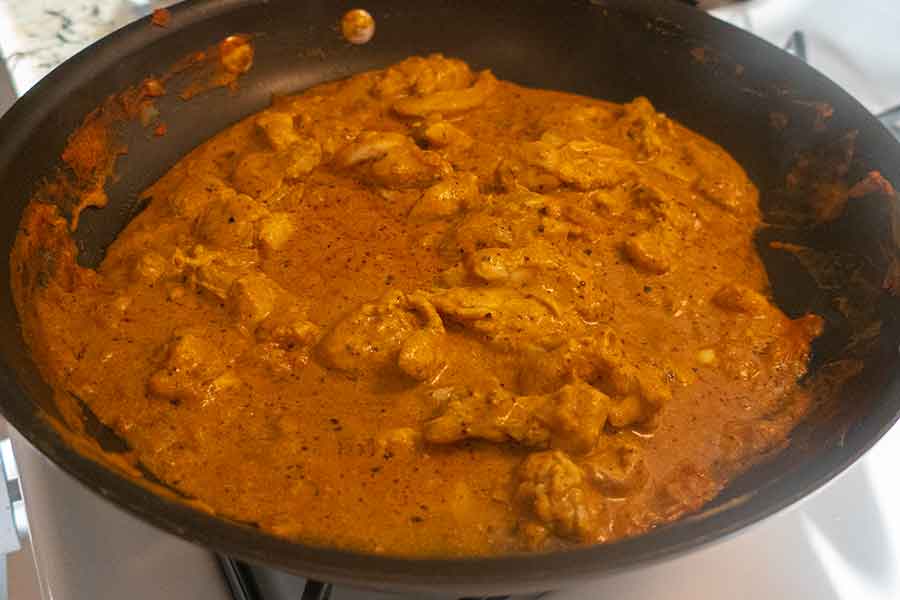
x: 819, y: 178
x: 778, y: 120
x: 822, y: 111
x: 700, y: 55
x: 818, y: 185
x: 874, y: 184
x: 92, y: 149
x: 162, y: 17
x: 226, y: 62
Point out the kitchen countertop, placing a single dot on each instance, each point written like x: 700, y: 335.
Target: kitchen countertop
x: 37, y: 35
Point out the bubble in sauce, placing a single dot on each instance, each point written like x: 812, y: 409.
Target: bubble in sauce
x: 358, y: 26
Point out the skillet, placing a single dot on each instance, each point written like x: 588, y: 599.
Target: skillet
x: 768, y: 109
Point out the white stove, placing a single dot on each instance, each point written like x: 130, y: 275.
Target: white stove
x: 842, y: 543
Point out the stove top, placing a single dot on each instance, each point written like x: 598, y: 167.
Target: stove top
x: 842, y: 543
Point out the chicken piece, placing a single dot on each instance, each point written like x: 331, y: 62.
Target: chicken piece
x: 737, y: 298
x: 571, y: 419
x: 230, y: 222
x: 588, y: 358
x: 510, y: 221
x: 195, y: 192
x: 278, y: 128
x: 421, y: 355
x: 213, y: 271
x: 258, y: 174
x: 650, y: 250
x: 726, y: 193
x: 369, y: 146
x: 276, y: 231
x: 442, y: 134
x: 446, y: 198
x: 449, y: 101
x: 392, y: 160
x: 372, y: 337
x: 300, y: 158
x: 193, y: 370
x: 637, y: 390
x: 616, y: 467
x: 284, y: 338
x: 519, y: 265
x: 261, y: 174
x: 512, y: 265
x: 556, y: 492
x: 505, y: 317
x: 651, y: 206
x: 552, y: 162
x: 640, y: 125
x: 330, y: 132
x: 253, y: 298
x: 149, y: 268
x: 538, y: 264
x: 419, y: 76
x: 288, y: 328
x: 579, y: 120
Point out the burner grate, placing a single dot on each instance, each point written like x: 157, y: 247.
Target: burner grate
x: 244, y: 586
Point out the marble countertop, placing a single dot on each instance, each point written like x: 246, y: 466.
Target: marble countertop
x: 37, y: 35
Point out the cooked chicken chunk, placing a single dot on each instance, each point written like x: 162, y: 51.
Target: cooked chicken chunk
x: 637, y: 390
x: 446, y: 198
x: 420, y: 76
x: 193, y: 370
x: 741, y: 299
x: 288, y: 328
x: 149, y: 267
x: 571, y: 419
x: 230, y: 222
x: 276, y: 230
x: 278, y: 128
x: 449, y: 101
x: 725, y: 193
x: 252, y: 298
x: 213, y: 271
x: 373, y: 336
x: 505, y: 317
x: 421, y: 355
x: 512, y: 220
x: 555, y: 491
x: 195, y: 191
x: 640, y: 125
x: 651, y: 250
x: 442, y: 134
x: 261, y: 174
x: 552, y: 162
x: 392, y: 160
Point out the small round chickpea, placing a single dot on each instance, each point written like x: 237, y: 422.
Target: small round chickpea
x: 358, y: 26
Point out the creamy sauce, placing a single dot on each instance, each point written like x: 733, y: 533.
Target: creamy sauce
x: 426, y: 312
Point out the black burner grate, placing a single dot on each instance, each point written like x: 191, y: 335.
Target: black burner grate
x: 244, y: 586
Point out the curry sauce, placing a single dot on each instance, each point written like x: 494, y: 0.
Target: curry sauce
x: 425, y: 312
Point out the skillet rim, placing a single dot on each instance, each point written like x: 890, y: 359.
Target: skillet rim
x: 505, y: 574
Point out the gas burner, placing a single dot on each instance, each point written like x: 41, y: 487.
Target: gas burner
x: 245, y: 584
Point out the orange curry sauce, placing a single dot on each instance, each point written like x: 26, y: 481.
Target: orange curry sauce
x: 425, y: 312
